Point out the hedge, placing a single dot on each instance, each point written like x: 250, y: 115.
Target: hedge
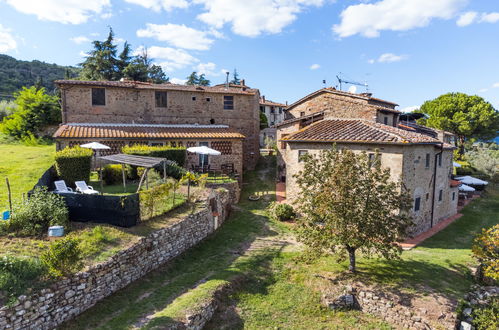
x: 73, y: 164
x: 113, y: 173
x: 176, y: 154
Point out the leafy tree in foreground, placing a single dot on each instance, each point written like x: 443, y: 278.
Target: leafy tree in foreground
x: 467, y: 116
x: 486, y: 250
x: 348, y: 203
x: 35, y: 109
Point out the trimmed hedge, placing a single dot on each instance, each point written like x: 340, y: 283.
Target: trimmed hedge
x: 73, y: 164
x: 176, y: 154
x: 113, y: 173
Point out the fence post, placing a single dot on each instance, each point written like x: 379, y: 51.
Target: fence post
x: 9, y: 194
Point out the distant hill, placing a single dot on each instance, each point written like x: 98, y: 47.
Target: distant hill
x: 15, y: 74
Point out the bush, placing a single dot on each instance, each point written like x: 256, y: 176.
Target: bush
x: 19, y: 274
x: 73, y: 164
x: 485, y: 250
x: 40, y: 211
x: 64, y: 257
x: 112, y: 174
x: 487, y: 317
x: 176, y: 154
x: 281, y: 212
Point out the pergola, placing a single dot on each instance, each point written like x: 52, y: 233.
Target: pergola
x: 142, y: 161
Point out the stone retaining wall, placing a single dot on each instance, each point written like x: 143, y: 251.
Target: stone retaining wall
x: 69, y: 297
x: 232, y: 187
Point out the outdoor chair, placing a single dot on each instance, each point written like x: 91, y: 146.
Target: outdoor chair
x: 81, y: 186
x: 60, y: 187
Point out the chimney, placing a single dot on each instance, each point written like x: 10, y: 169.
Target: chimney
x: 242, y: 82
x: 227, y: 79
x: 263, y: 98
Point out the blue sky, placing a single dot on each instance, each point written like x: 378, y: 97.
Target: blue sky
x: 408, y: 51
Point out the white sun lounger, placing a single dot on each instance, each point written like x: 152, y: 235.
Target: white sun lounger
x: 81, y: 186
x: 60, y: 187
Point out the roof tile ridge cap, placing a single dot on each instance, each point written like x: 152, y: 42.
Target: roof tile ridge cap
x: 379, y: 127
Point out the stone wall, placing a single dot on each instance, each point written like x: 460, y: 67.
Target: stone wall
x: 232, y: 188
x: 394, y: 309
x: 69, y: 297
x: 478, y: 297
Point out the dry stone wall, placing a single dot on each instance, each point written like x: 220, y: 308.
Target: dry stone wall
x: 69, y: 297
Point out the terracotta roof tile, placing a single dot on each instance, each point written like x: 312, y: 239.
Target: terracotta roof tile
x: 167, y: 86
x: 455, y: 183
x: 356, y: 130
x: 137, y: 131
x: 269, y: 102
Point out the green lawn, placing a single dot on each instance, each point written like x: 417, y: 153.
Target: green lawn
x: 23, y: 165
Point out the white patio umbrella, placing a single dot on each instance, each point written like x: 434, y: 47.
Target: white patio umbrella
x: 456, y: 164
x: 95, y: 146
x: 204, y: 150
x: 466, y: 188
x: 471, y: 180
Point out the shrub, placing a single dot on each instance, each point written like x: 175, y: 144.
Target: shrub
x: 64, y: 257
x: 487, y: 317
x: 176, y: 154
x: 19, y: 274
x: 485, y: 161
x: 112, y: 174
x: 151, y: 199
x: 281, y: 212
x: 73, y: 164
x: 40, y: 211
x: 486, y: 252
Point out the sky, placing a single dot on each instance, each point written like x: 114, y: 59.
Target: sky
x: 407, y: 51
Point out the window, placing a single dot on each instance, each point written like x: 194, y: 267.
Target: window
x: 262, y: 109
x: 427, y: 196
x: 272, y: 123
x: 427, y: 164
x: 385, y: 120
x: 440, y: 194
x: 194, y: 98
x: 283, y: 143
x: 156, y: 144
x: 417, y: 204
x: 160, y: 99
x: 98, y: 96
x: 439, y: 160
x: 208, y: 99
x: 453, y: 195
x: 373, y: 160
x: 280, y: 110
x: 301, y: 153
x: 228, y: 102
x: 302, y: 113
x: 272, y: 110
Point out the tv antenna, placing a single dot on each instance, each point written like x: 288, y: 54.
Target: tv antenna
x: 351, y: 82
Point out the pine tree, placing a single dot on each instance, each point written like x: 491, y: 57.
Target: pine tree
x: 202, y: 81
x: 192, y: 79
x: 124, y: 59
x: 235, y: 78
x: 101, y: 63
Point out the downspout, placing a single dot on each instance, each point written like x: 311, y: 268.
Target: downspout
x: 435, y: 183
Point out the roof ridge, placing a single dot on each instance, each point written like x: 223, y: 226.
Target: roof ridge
x: 380, y: 129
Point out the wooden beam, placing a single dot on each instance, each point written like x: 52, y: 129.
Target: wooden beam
x: 142, y: 179
x: 124, y: 177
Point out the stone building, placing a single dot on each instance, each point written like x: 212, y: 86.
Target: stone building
x: 119, y: 113
x: 421, y: 158
x: 275, y: 113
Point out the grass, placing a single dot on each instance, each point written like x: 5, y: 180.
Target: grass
x: 23, y: 165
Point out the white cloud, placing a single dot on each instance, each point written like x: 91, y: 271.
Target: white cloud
x: 495, y: 85
x: 7, y: 41
x: 63, y: 11
x: 170, y: 59
x: 352, y: 89
x: 388, y: 58
x: 208, y: 69
x: 119, y: 40
x: 467, y: 18
x: 368, y: 19
x: 483, y: 90
x: 474, y: 17
x: 251, y: 18
x: 410, y: 109
x: 82, y: 53
x: 314, y: 66
x: 177, y: 81
x: 178, y: 35
x: 79, y: 40
x: 490, y: 17
x: 158, y: 5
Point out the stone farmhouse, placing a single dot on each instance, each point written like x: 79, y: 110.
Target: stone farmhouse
x: 275, y: 113
x: 420, y: 157
x: 119, y: 113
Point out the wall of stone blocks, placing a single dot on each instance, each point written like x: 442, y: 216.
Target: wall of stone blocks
x: 69, y: 297
x: 126, y: 105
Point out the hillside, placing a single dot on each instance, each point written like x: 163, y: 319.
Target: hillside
x: 15, y: 74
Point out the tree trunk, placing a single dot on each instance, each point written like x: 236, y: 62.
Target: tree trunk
x: 351, y: 254
x: 461, y: 146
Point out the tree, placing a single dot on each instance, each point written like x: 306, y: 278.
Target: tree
x: 264, y: 122
x: 101, y: 62
x: 192, y: 79
x: 349, y: 203
x: 235, y: 78
x: 467, y: 116
x: 484, y: 160
x: 485, y: 250
x: 35, y: 109
x: 202, y: 81
x: 124, y: 59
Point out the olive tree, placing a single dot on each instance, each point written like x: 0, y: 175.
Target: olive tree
x: 347, y: 203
